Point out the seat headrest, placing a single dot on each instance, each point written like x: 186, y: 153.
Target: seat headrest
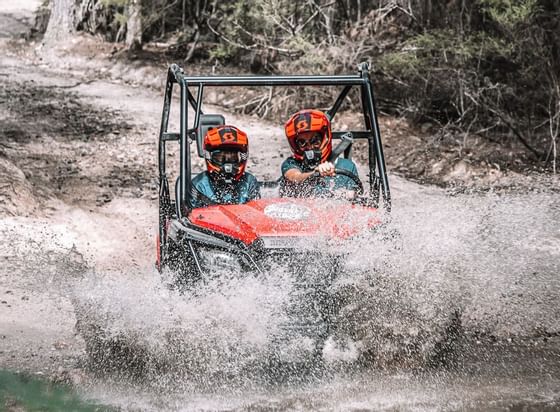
x: 207, y: 122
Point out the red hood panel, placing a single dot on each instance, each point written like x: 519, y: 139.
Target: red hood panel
x: 286, y: 218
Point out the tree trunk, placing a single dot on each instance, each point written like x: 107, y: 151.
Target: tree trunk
x: 427, y: 13
x: 62, y: 21
x: 328, y: 16
x: 134, y: 25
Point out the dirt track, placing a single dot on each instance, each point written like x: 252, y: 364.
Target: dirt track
x: 78, y: 192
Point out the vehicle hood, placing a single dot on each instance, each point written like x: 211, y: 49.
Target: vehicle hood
x: 283, y: 219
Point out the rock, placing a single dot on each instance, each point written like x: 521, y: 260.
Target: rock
x: 103, y: 199
x: 462, y: 171
x: 16, y: 195
x: 425, y: 128
x: 437, y: 167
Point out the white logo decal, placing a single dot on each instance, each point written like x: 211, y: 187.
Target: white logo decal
x: 287, y: 211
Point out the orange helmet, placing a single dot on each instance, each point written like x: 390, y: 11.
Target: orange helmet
x: 309, y: 120
x: 226, y: 149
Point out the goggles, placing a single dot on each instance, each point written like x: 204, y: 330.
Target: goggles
x: 313, y: 142
x: 221, y: 157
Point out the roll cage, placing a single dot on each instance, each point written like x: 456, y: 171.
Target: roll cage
x: 378, y: 182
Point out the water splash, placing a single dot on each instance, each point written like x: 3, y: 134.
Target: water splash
x: 487, y: 262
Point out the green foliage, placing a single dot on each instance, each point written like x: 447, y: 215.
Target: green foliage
x: 401, y: 63
x: 283, y: 27
x: 120, y: 18
x: 248, y: 24
x: 496, y: 73
x: 448, y: 44
x: 510, y: 13
x: 437, y: 49
x: 222, y: 52
x: 470, y: 64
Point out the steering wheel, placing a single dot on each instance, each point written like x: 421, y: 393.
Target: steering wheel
x: 342, y: 172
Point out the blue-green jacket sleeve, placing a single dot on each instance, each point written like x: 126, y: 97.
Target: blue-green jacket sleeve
x: 290, y: 163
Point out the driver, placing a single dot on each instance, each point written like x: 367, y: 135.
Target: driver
x: 226, y: 149
x: 310, y: 138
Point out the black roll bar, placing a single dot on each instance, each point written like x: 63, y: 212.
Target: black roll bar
x: 185, y: 154
x: 299, y: 80
x: 165, y: 123
x: 332, y: 111
x: 378, y: 148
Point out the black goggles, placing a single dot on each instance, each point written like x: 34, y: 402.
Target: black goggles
x: 221, y: 157
x: 309, y: 142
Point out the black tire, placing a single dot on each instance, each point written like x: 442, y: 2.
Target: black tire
x: 447, y: 351
x: 115, y: 355
x: 181, y: 265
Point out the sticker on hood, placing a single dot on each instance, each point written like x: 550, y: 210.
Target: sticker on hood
x: 287, y: 211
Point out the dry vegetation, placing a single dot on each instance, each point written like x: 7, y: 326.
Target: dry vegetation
x: 477, y: 76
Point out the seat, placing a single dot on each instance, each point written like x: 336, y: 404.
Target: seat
x: 207, y: 122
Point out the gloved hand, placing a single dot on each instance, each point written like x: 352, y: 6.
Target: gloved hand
x: 325, y: 169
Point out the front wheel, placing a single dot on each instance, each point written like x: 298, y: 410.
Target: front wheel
x: 181, y: 266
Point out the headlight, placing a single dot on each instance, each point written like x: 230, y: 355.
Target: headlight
x: 213, y: 260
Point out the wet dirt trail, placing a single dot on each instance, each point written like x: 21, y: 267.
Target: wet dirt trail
x: 78, y: 217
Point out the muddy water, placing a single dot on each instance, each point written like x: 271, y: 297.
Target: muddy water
x: 491, y: 260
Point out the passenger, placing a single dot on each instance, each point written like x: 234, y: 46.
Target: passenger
x: 310, y: 138
x: 226, y: 149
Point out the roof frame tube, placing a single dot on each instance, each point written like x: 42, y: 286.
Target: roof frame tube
x: 338, y: 80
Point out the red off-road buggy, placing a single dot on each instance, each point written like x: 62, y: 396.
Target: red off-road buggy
x: 195, y: 243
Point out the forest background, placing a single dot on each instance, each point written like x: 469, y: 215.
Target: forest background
x: 468, y: 73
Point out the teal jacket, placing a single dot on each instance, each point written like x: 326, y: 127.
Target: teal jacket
x: 206, y: 191
x: 320, y: 187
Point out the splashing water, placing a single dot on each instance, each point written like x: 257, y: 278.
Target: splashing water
x: 209, y: 336
x: 467, y: 267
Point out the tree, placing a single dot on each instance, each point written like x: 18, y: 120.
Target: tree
x: 134, y: 25
x: 62, y: 21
